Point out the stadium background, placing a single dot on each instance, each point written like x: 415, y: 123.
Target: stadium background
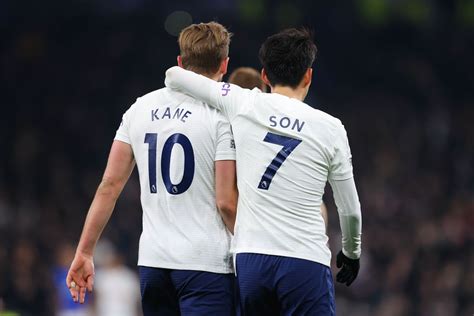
x: 398, y: 73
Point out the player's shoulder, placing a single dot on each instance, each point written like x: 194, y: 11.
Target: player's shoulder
x: 323, y: 116
x: 325, y: 122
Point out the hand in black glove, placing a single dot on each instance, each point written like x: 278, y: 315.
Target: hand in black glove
x: 349, y: 271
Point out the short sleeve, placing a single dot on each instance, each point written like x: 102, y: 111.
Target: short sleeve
x: 341, y: 163
x: 122, y: 133
x: 225, y: 148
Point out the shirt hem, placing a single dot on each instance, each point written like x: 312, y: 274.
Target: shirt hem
x: 193, y: 267
x: 342, y: 177
x: 326, y: 262
x: 122, y: 139
x: 224, y: 157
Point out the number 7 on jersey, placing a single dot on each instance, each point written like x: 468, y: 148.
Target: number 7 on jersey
x: 289, y: 144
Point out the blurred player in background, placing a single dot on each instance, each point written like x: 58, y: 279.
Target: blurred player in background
x: 250, y: 78
x: 185, y: 156
x: 286, y: 152
x: 247, y: 78
x: 117, y: 288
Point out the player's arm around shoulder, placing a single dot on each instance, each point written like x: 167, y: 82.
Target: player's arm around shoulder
x: 228, y: 98
x: 120, y: 165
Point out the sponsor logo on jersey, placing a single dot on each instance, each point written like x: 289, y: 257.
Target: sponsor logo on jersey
x: 225, y: 89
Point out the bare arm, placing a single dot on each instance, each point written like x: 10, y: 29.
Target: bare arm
x: 226, y: 191
x: 119, y: 167
x: 324, y: 214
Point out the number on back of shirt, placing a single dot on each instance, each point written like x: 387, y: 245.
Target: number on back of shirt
x: 289, y: 144
x: 188, y: 173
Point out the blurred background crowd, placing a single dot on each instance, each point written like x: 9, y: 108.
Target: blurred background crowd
x: 398, y: 73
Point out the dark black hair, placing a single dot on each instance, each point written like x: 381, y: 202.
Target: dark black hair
x: 287, y: 55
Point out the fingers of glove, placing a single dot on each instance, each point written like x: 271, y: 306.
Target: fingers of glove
x: 351, y: 279
x: 339, y: 259
x: 340, y: 279
x: 343, y: 275
x: 348, y: 273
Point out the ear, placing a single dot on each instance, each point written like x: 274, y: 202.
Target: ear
x: 307, y: 78
x: 224, y: 65
x: 180, y: 61
x: 263, y: 74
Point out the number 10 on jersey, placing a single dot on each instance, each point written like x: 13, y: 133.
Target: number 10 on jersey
x: 188, y: 173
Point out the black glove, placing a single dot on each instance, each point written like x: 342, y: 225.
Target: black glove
x: 349, y: 271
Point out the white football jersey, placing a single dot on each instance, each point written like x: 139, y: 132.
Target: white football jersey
x: 175, y: 141
x: 286, y: 152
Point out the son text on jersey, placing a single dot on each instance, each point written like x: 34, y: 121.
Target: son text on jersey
x: 286, y: 122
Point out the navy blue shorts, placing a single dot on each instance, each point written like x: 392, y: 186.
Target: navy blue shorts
x: 185, y: 292
x: 274, y: 285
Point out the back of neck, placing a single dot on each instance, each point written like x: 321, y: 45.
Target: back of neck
x: 290, y: 92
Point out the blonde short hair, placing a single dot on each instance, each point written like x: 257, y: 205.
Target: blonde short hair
x: 204, y: 46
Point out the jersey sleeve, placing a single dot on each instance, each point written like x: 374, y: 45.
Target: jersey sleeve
x: 350, y: 218
x: 122, y: 133
x: 341, y: 163
x: 225, y: 97
x: 225, y: 149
